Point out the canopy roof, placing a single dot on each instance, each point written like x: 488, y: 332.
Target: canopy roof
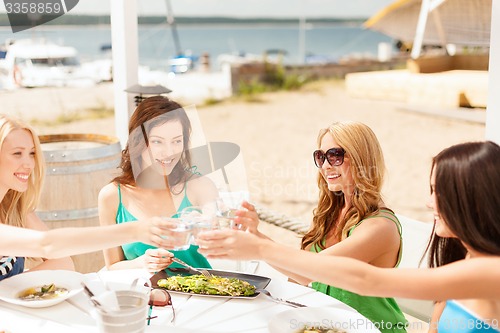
x: 461, y: 22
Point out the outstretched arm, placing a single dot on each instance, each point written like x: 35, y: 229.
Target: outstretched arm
x: 34, y: 222
x: 459, y: 280
x: 63, y: 242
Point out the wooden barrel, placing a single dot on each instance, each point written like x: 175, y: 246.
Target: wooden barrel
x: 78, y: 166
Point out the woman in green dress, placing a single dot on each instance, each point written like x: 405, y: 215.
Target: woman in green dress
x: 351, y: 219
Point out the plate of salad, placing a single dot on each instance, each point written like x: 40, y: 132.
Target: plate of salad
x: 226, y: 284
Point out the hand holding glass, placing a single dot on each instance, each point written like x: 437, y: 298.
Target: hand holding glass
x: 198, y: 219
x: 180, y: 233
x: 228, y: 204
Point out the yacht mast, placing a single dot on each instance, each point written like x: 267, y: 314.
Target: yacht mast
x: 171, y: 22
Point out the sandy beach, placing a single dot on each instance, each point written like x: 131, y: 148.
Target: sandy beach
x: 277, y: 135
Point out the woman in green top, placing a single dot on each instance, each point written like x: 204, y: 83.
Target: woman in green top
x: 156, y: 180
x: 351, y: 219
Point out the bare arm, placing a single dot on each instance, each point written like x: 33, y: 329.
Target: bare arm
x: 33, y: 222
x: 460, y: 280
x: 114, y: 257
x: 436, y: 314
x: 375, y: 241
x: 63, y: 242
x: 153, y: 260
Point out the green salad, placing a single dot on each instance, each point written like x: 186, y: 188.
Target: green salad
x: 199, y: 284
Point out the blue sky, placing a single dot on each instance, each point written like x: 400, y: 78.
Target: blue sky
x: 244, y: 8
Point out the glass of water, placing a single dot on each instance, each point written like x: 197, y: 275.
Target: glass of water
x: 180, y: 233
x: 198, y: 219
x: 228, y: 204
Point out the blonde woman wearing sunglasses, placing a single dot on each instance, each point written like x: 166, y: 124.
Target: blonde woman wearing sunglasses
x: 464, y: 249
x: 351, y: 219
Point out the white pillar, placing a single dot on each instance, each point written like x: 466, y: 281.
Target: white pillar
x: 125, y: 51
x: 420, y: 32
x: 493, y: 108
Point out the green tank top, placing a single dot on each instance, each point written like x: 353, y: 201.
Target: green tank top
x: 137, y: 249
x: 383, y: 312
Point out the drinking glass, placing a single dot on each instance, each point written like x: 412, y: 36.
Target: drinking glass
x: 228, y: 204
x: 180, y: 232
x: 199, y: 219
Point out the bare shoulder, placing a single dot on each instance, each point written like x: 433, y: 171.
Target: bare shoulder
x: 378, y: 225
x: 108, y: 195
x: 34, y: 222
x: 201, y: 190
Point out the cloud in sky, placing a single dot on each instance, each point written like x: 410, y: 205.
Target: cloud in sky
x: 246, y: 8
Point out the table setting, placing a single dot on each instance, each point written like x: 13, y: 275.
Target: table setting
x: 232, y: 296
x: 288, y: 306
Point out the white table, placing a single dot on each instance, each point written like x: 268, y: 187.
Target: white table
x: 193, y: 313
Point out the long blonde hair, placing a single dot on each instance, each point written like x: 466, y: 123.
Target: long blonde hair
x: 15, y: 206
x: 367, y: 168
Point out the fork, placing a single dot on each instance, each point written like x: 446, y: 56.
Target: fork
x: 204, y: 272
x: 281, y: 301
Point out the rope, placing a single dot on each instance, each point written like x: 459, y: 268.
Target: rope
x: 281, y: 220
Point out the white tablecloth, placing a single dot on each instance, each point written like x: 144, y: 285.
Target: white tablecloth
x: 193, y: 313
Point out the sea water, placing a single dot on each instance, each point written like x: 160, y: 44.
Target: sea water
x: 156, y: 45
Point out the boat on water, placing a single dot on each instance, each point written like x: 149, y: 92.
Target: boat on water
x: 33, y: 63
x: 273, y: 56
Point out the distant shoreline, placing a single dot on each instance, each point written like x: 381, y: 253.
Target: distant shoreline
x: 69, y: 20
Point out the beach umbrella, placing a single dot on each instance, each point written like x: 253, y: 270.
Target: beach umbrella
x: 460, y: 22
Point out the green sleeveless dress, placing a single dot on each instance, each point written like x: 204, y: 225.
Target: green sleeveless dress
x: 383, y: 312
x: 137, y: 249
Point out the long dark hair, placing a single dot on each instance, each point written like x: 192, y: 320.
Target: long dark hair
x: 152, y: 112
x: 467, y: 197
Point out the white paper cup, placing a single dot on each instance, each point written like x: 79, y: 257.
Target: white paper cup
x: 131, y: 318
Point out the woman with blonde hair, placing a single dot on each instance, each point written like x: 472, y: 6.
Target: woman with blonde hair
x: 21, y: 177
x: 351, y: 219
x: 23, y: 234
x: 465, y: 196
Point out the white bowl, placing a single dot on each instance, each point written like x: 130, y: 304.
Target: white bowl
x: 11, y: 287
x: 292, y: 321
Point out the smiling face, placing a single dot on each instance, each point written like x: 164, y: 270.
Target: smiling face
x: 338, y: 178
x: 17, y: 161
x: 441, y: 229
x: 166, y: 145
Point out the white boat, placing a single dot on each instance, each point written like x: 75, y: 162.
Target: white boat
x: 40, y: 63
x: 273, y: 56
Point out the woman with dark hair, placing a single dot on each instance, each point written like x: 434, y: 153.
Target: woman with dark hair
x: 465, y: 198
x: 157, y: 179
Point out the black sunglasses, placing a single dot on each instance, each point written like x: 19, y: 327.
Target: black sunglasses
x: 159, y: 297
x: 334, y: 156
